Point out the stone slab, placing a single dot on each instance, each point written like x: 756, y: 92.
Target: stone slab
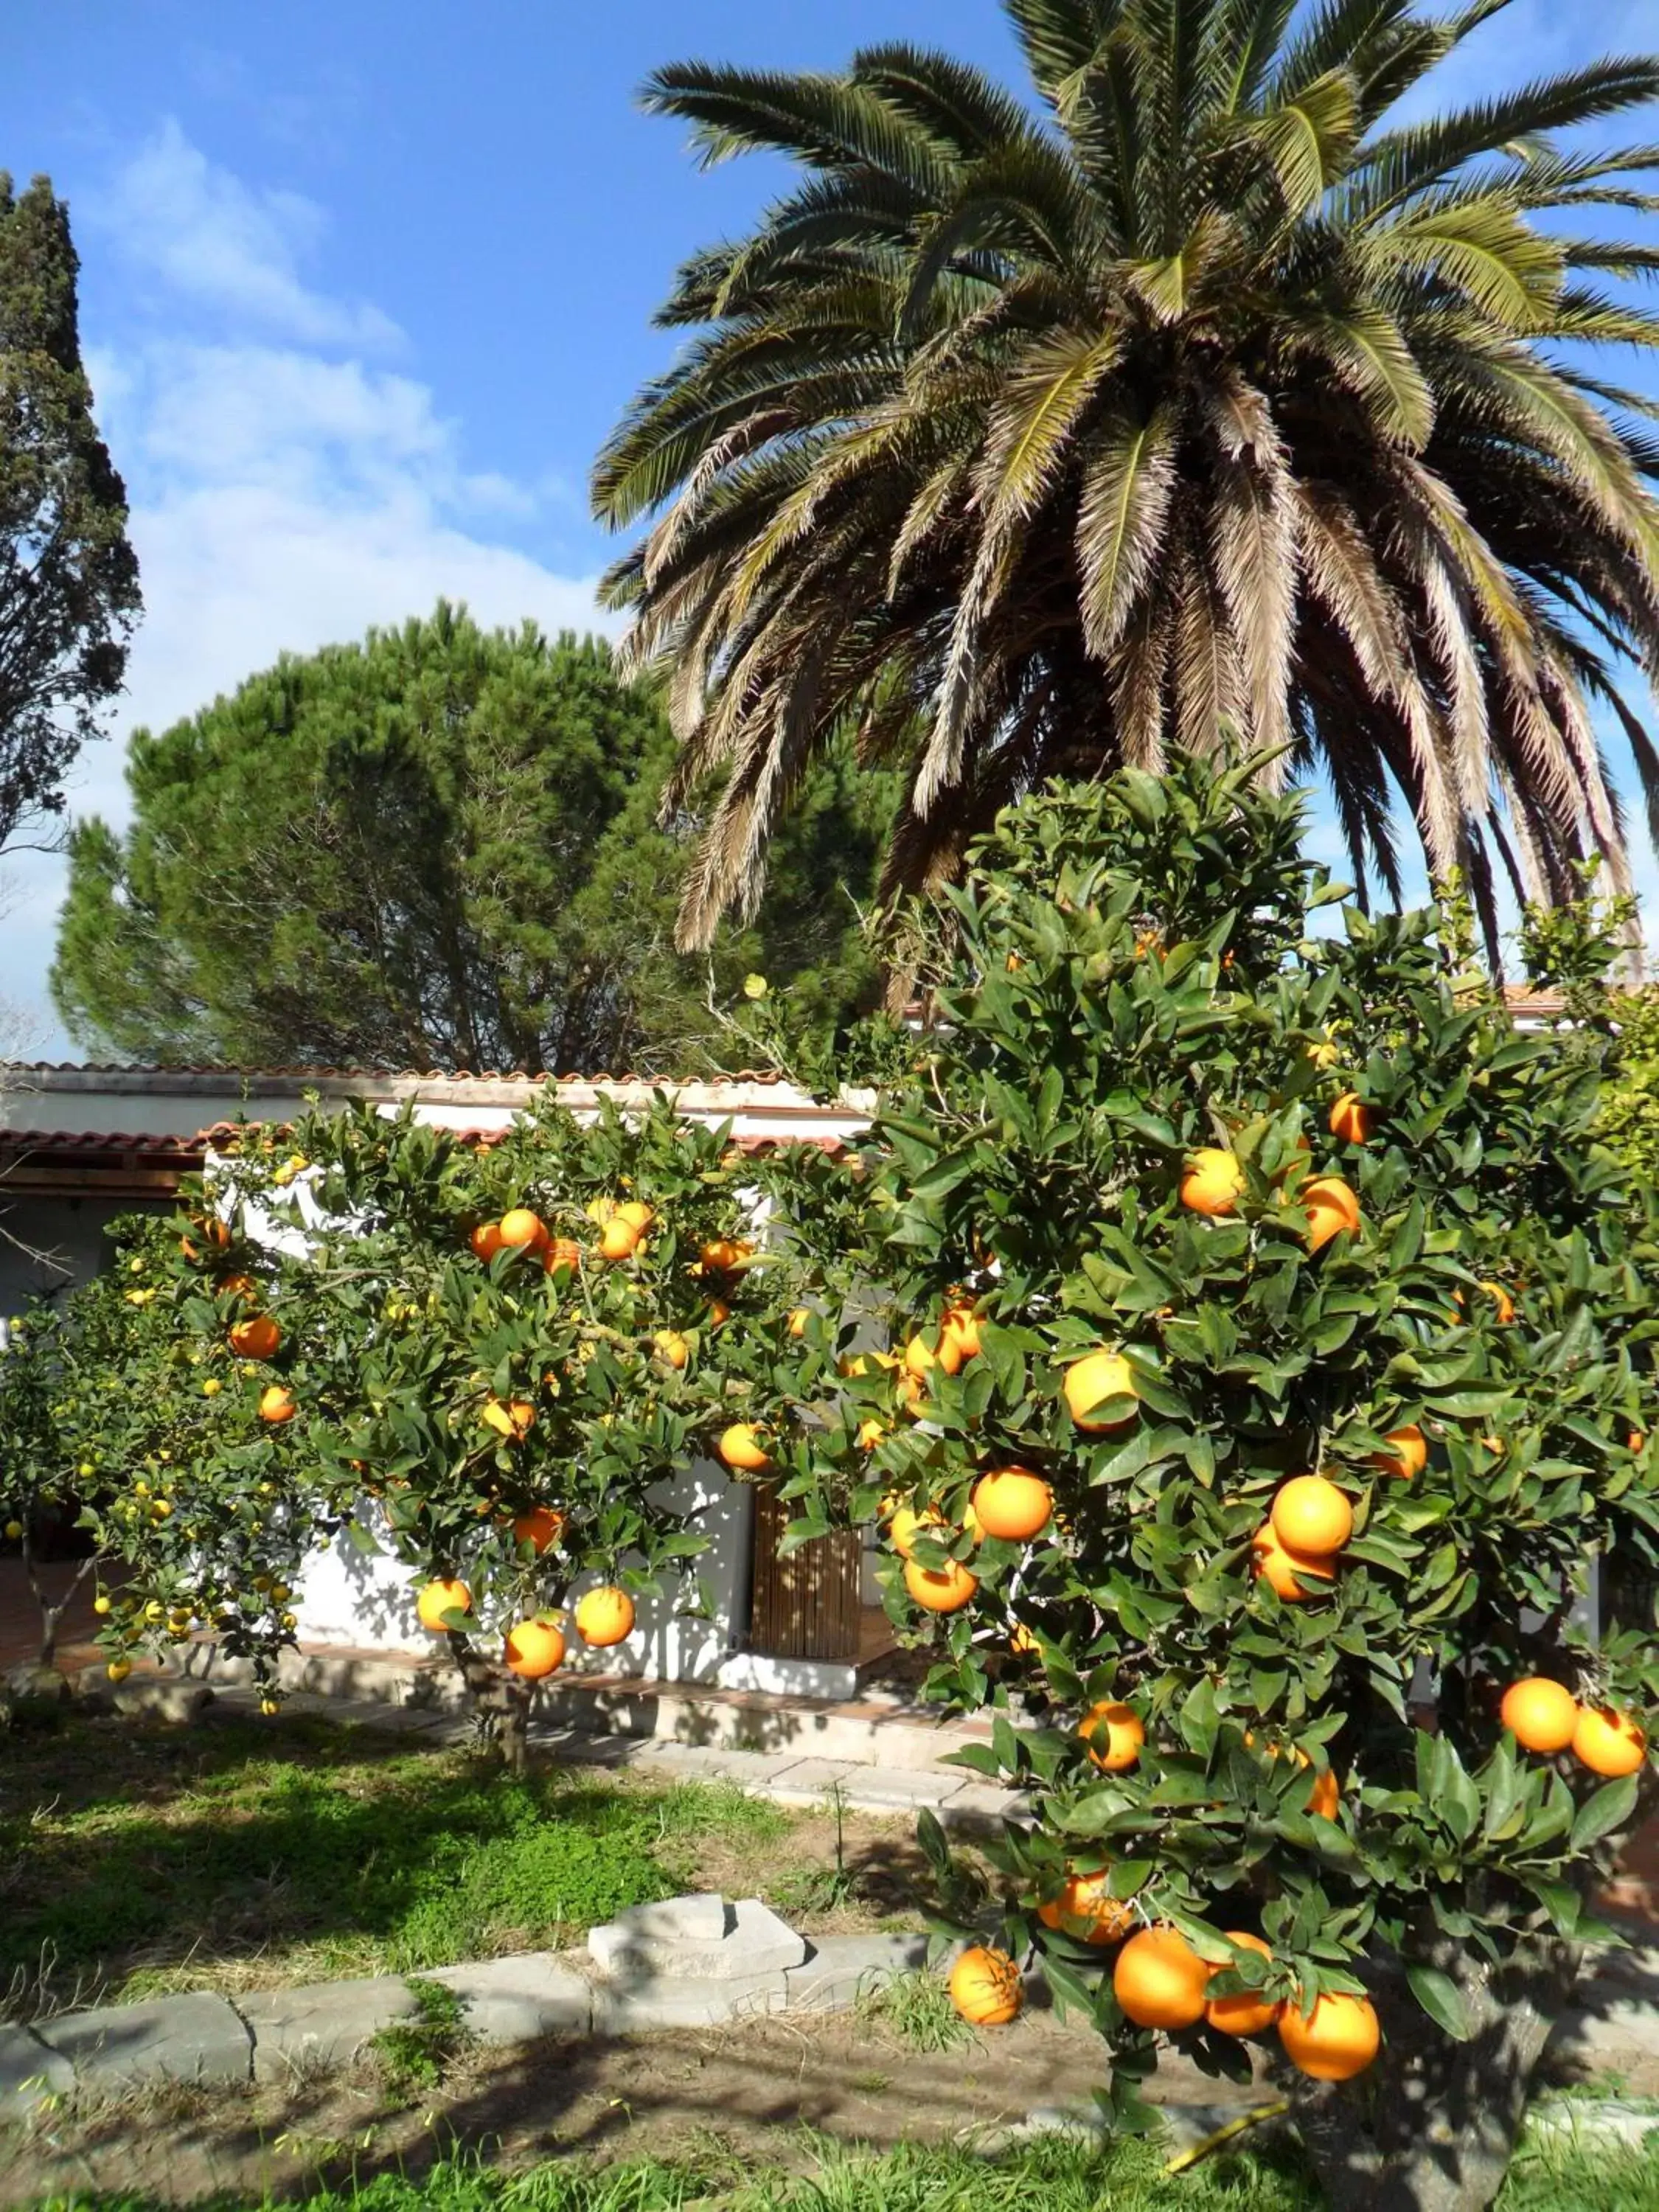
x: 28, y: 2072
x: 754, y: 1770
x: 323, y: 2023
x: 1594, y: 2120
x: 669, y: 2001
x: 809, y: 1781
x: 515, y: 2000
x: 576, y: 1747
x: 198, y: 2037
x: 142, y: 1699
x: 752, y: 1941
x: 843, y: 1968
x: 899, y: 1789
x: 977, y: 1807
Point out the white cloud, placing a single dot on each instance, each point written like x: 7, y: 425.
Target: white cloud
x: 282, y: 498
x: 203, y: 236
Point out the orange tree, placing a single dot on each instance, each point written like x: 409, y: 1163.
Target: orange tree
x: 1274, y: 1358
x: 490, y: 1360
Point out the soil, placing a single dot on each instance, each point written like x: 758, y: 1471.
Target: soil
x: 746, y: 2092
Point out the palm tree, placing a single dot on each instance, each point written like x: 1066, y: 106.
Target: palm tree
x: 1205, y: 400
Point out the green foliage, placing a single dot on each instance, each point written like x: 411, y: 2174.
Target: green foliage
x: 69, y: 583
x: 917, y: 2010
x: 1137, y: 982
x: 436, y: 848
x: 1629, y: 1120
x: 1045, y: 430
x: 416, y: 2054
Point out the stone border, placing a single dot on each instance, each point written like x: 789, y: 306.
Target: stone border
x: 275, y: 2035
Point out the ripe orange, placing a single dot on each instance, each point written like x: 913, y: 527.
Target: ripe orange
x: 486, y: 1240
x: 943, y: 1589
x: 672, y: 1346
x: 1410, y: 1454
x: 1159, y: 1979
x: 1021, y: 1642
x: 1608, y: 1743
x: 920, y: 1356
x: 960, y: 1327
x: 1351, y: 1119
x: 439, y: 1598
x: 1014, y: 1503
x: 542, y: 1526
x: 1284, y: 1569
x: 871, y: 1433
x: 986, y: 1988
x: 1085, y: 1909
x: 521, y: 1230
x: 276, y: 1404
x: 1338, y: 2038
x: 724, y: 1256
x: 604, y: 1616
x: 1502, y: 1300
x: 1114, y: 1733
x: 1331, y: 1207
x: 618, y: 1239
x: 1213, y: 1182
x: 903, y: 1527
x: 1311, y: 1515
x: 741, y: 1448
x: 798, y: 1317
x: 256, y: 1338
x: 718, y: 1313
x: 533, y: 1648
x: 1540, y: 1714
x: 1247, y: 2013
x: 562, y: 1252
x: 636, y: 1213
x: 513, y: 1420
x: 1091, y: 1381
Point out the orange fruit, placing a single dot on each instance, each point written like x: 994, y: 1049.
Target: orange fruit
x: 741, y: 1448
x: 905, y: 1524
x: 1284, y: 1569
x: 960, y: 1328
x: 672, y: 1346
x: 533, y: 1648
x: 256, y: 1338
x: 636, y: 1213
x: 439, y: 1598
x: 1022, y: 1643
x: 1091, y: 1381
x: 986, y: 1988
x: 238, y: 1286
x: 604, y: 1616
x: 1213, y: 1182
x: 513, y: 1420
x: 276, y: 1404
x: 1409, y: 1457
x: 718, y: 1313
x: 486, y: 1240
x: 1014, y: 1503
x: 1351, y: 1119
x: 618, y: 1239
x: 562, y: 1252
x: 1326, y: 1796
x: 1311, y: 1515
x: 1338, y: 2040
x: 1540, y: 1714
x: 521, y: 1230
x: 920, y: 1356
x: 542, y: 1526
x: 943, y: 1589
x: 1504, y: 1304
x: 1159, y: 1980
x: 1608, y: 1743
x: 1114, y: 1733
x: 1248, y: 2012
x: 871, y: 1433
x: 1331, y: 1207
x: 724, y: 1256
x: 1085, y: 1909
x: 798, y: 1317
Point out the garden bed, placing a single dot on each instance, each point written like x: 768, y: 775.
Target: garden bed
x: 137, y: 1858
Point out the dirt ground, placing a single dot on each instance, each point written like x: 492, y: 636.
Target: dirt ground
x: 745, y: 2091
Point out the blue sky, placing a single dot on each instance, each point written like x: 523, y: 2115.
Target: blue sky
x: 364, y: 285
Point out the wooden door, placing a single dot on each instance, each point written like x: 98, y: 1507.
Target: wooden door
x: 805, y: 1606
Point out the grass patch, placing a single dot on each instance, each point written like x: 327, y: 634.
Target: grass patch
x: 916, y: 2011
x: 416, y: 2054
x: 135, y: 1859
x: 823, y: 2176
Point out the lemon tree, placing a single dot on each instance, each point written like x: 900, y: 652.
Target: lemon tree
x: 1272, y: 1358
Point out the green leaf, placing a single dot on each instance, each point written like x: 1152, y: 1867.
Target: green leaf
x: 1605, y: 1813
x: 1442, y: 1999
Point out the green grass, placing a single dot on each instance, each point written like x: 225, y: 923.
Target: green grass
x: 156, y: 1858
x: 1056, y: 2177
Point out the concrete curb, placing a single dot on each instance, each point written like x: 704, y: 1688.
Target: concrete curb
x: 273, y: 2035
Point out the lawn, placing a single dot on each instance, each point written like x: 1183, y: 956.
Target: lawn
x: 827, y: 2177
x: 141, y: 1858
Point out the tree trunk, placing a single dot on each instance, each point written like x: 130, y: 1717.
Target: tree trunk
x: 1431, y: 2127
x: 501, y: 1703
